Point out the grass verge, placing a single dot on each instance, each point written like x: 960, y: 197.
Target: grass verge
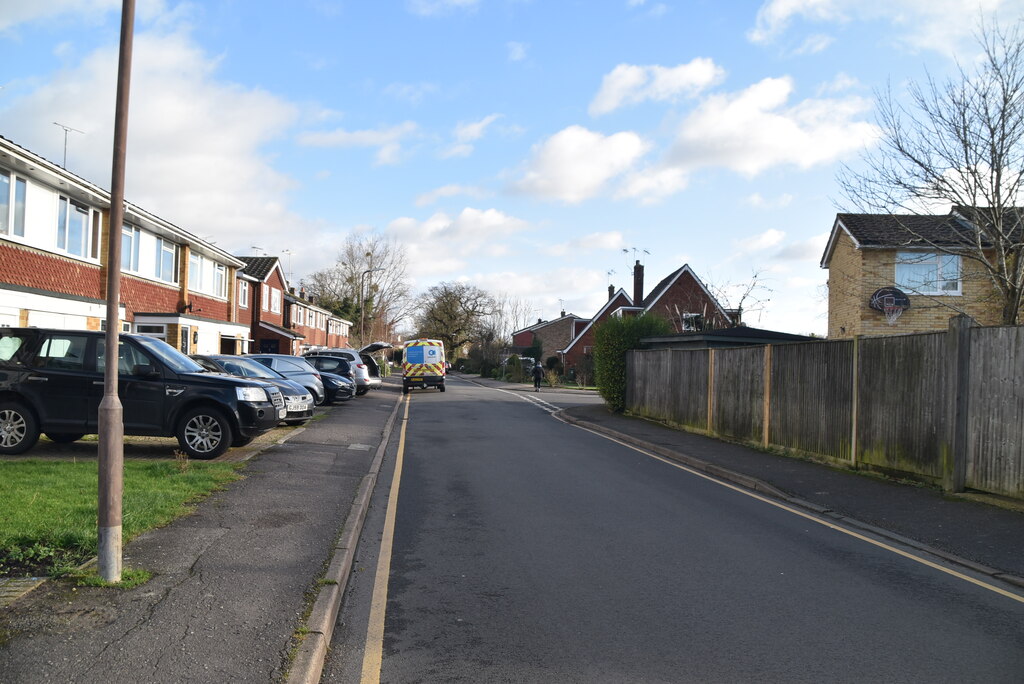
x: 49, y: 515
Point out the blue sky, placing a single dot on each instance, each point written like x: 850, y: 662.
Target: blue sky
x: 533, y: 148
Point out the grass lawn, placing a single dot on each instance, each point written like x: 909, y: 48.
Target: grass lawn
x: 48, y: 515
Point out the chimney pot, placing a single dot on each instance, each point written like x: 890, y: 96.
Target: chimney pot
x: 611, y: 292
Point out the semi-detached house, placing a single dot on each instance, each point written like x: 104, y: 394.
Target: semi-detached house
x: 54, y: 233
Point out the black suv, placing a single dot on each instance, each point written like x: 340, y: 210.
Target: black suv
x: 51, y: 381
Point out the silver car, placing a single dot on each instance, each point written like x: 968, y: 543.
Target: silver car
x: 298, y: 369
x: 360, y: 371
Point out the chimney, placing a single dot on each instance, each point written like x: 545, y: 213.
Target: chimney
x: 302, y: 293
x: 611, y: 292
x: 638, y: 283
x: 539, y: 321
x: 562, y: 315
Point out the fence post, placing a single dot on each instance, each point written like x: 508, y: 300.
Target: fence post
x: 855, y: 401
x: 711, y: 387
x: 767, y: 394
x: 958, y: 358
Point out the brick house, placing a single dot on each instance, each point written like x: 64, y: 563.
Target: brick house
x: 269, y: 330
x: 318, y: 326
x: 54, y: 233
x: 680, y: 297
x: 868, y: 252
x: 551, y: 335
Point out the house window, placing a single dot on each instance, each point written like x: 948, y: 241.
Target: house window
x: 220, y: 280
x: 275, y: 300
x: 166, y: 261
x: 928, y: 273
x: 243, y: 294
x: 12, y: 205
x: 152, y: 330
x: 265, y: 300
x: 195, y: 272
x: 74, y: 227
x: 130, y: 238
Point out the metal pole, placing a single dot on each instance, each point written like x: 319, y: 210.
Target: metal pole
x: 111, y: 425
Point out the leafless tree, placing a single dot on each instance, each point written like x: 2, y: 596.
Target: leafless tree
x: 368, y: 285
x: 960, y: 142
x: 455, y: 313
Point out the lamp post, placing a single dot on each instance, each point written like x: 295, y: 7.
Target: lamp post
x: 362, y: 303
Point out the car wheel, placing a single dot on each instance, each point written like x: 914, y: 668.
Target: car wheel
x: 360, y: 391
x: 204, y: 433
x: 19, y: 430
x: 318, y: 399
x: 441, y: 387
x: 405, y: 390
x: 64, y: 437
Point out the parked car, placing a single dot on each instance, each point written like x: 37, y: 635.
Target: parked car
x: 366, y: 372
x: 51, y: 382
x: 298, y: 401
x: 295, y: 368
x: 338, y: 387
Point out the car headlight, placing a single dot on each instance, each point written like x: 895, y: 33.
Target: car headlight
x: 251, y: 394
x: 331, y: 382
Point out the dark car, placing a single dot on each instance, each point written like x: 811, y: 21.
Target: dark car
x: 338, y: 387
x: 295, y: 368
x: 51, y: 382
x: 298, y: 402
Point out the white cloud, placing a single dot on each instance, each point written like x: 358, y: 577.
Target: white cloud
x: 388, y: 140
x: 928, y: 24
x: 465, y: 133
x: 841, y: 83
x: 443, y: 243
x: 428, y: 8
x: 812, y: 45
x: 758, y: 201
x: 610, y: 240
x: 413, y: 93
x: 628, y: 84
x: 759, y: 242
x: 810, y: 249
x: 575, y: 164
x: 753, y: 130
x: 516, y: 51
x: 195, y: 143
x: 652, y: 185
x: 432, y: 196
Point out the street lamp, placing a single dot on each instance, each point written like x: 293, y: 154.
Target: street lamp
x: 362, y: 302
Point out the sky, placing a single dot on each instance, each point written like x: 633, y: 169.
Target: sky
x: 532, y: 148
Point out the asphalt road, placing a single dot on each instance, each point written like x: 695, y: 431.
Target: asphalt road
x: 526, y: 550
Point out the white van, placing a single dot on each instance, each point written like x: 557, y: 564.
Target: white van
x: 423, y: 364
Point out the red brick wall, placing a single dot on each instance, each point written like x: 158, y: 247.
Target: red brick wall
x: 575, y: 355
x: 31, y: 268
x: 139, y: 294
x: 211, y: 308
x: 687, y: 296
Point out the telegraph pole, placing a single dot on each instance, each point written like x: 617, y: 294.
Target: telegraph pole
x: 111, y: 415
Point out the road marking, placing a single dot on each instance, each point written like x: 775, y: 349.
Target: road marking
x: 373, y: 653
x: 814, y: 518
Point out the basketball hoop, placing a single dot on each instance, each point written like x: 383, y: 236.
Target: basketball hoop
x: 891, y: 302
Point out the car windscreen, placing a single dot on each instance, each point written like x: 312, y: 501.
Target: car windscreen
x: 170, y: 356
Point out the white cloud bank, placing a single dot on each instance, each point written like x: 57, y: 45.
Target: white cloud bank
x: 388, y: 140
x: 628, y: 84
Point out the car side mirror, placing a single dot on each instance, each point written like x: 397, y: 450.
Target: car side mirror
x: 145, y: 370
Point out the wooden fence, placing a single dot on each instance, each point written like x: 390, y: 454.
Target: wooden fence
x: 942, y: 407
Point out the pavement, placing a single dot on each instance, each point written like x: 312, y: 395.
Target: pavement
x: 249, y: 587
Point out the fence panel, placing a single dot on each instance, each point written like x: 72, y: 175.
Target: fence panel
x: 902, y: 411
x: 811, y: 397
x: 738, y: 401
x: 669, y: 385
x: 995, y: 413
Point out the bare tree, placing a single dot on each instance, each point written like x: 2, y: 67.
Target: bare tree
x: 959, y: 142
x: 455, y: 313
x: 368, y: 285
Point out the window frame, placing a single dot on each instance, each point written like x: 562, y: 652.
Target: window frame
x: 243, y: 294
x: 908, y: 258
x: 13, y: 220
x: 163, y: 247
x: 66, y: 208
x: 275, y: 300
x: 134, y: 236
